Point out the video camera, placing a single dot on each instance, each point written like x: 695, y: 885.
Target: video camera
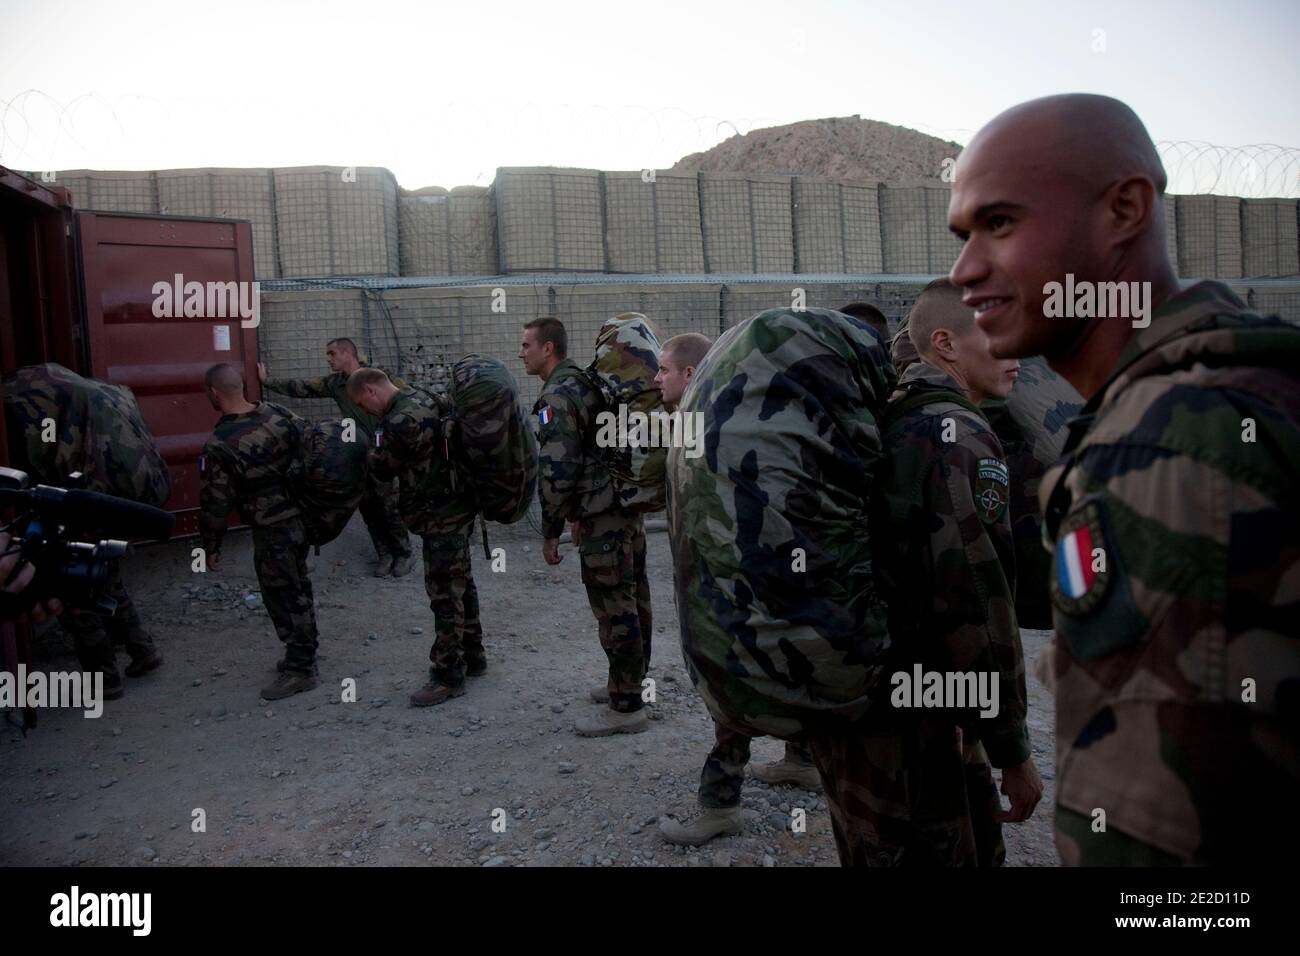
x: 74, y: 572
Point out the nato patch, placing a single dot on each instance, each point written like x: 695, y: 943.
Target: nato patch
x: 1080, y: 571
x: 992, y: 482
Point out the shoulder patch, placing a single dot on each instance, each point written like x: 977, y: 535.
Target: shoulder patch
x: 545, y: 414
x: 992, y: 482
x: 1081, y: 571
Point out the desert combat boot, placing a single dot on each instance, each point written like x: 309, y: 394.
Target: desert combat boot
x: 709, y: 823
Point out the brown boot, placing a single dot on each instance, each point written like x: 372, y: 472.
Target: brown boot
x: 599, y: 694
x: 402, y: 565
x: 287, y: 684
x: 143, y: 665
x: 607, y: 722
x: 787, y: 771
x: 709, y: 823
x: 435, y: 692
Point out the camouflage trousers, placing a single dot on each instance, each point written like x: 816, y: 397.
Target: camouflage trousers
x: 96, y: 637
x: 383, y: 519
x: 724, y: 770
x: 915, y: 799
x: 453, y: 598
x: 611, y: 549
x: 280, y: 559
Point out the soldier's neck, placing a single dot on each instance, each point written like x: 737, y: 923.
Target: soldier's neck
x: 241, y: 407
x: 1092, y: 357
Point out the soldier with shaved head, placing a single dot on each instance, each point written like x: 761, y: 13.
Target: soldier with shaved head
x: 1173, y: 511
x: 248, y: 463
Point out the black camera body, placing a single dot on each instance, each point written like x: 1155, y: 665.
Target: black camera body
x: 47, y: 521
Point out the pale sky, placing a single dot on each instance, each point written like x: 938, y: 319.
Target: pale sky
x: 442, y: 94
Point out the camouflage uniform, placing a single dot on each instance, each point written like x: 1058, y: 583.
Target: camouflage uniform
x: 99, y: 432
x: 379, y: 503
x: 249, y: 462
x: 409, y: 442
x: 573, y: 484
x: 723, y: 775
x: 95, y: 637
x: 1030, y: 424
x: 1177, y: 653
x: 914, y: 786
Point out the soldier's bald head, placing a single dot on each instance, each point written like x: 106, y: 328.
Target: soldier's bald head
x: 1084, y: 138
x: 225, y: 378
x: 1068, y: 184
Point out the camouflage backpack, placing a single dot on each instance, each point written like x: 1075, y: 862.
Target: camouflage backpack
x: 97, y: 429
x: 624, y: 369
x: 328, y: 480
x: 781, y: 625
x: 495, y: 448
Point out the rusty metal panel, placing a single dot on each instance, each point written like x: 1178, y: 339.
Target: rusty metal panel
x: 132, y: 267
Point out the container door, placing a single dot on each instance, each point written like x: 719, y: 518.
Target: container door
x: 166, y: 298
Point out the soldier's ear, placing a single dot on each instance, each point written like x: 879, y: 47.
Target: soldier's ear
x: 941, y: 343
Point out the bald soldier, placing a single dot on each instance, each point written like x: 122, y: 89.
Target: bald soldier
x: 379, y: 503
x: 914, y: 786
x: 724, y: 769
x: 1173, y: 511
x: 247, y: 464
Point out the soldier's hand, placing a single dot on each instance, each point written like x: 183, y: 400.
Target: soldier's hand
x: 1024, y: 788
x: 574, y: 533
x: 20, y: 582
x: 261, y: 372
x: 551, y: 551
x: 214, y: 561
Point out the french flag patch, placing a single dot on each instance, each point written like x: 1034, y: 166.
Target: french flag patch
x: 1082, y: 573
x: 545, y: 415
x: 1074, y: 563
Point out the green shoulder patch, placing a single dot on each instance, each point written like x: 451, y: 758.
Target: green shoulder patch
x: 992, y: 489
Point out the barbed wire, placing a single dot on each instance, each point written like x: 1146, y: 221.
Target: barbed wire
x: 1256, y: 171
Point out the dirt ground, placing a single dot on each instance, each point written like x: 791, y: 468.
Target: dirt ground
x: 314, y: 781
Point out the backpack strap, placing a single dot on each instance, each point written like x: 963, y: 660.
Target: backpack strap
x: 919, y: 394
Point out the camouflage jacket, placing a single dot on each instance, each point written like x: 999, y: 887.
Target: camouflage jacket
x: 945, y: 556
x: 409, y: 442
x: 249, y: 462
x: 1030, y: 424
x: 1177, y: 558
x: 335, y: 386
x: 572, y: 481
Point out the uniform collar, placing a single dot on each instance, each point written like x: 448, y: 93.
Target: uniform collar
x: 567, y: 364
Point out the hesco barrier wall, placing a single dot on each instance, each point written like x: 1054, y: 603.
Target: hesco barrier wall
x: 418, y: 327
x: 332, y: 221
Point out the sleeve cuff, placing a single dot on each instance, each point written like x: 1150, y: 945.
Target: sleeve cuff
x: 1007, y: 747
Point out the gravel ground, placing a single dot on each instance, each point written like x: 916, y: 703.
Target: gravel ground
x: 314, y: 781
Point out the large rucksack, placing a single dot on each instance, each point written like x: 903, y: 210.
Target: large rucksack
x: 94, y: 427
x: 624, y: 370
x: 488, y: 437
x: 782, y: 628
x: 328, y: 479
